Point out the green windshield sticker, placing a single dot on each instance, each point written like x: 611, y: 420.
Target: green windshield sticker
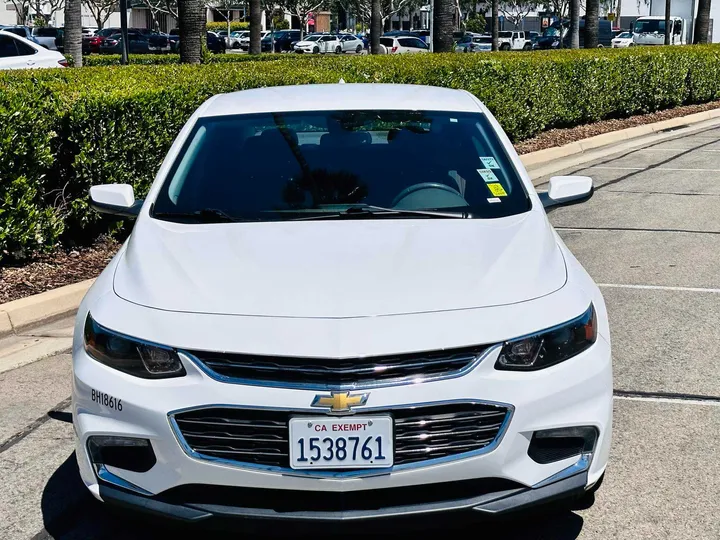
x: 487, y: 175
x: 489, y: 163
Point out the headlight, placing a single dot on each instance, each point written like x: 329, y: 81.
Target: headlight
x: 551, y: 346
x: 129, y: 355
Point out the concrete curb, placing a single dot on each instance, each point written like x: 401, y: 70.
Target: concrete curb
x: 533, y: 159
x: 19, y: 315
x: 25, y: 313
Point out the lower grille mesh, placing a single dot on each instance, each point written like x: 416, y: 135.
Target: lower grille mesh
x: 260, y: 437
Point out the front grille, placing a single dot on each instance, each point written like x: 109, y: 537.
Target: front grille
x: 260, y: 437
x: 322, y: 373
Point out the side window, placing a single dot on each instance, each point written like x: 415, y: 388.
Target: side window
x: 24, y: 49
x: 419, y: 43
x: 7, y: 47
x: 405, y: 42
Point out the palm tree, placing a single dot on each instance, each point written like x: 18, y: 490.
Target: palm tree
x: 255, y: 26
x: 191, y: 21
x: 443, y: 25
x: 592, y: 23
x: 702, y: 23
x: 375, y: 26
x: 73, y: 31
x: 574, y: 24
x: 494, y: 22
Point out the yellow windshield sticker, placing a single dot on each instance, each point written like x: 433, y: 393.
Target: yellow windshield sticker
x: 497, y: 190
x: 487, y: 175
x: 489, y: 163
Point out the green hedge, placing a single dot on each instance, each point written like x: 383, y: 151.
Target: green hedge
x: 234, y: 26
x: 164, y: 59
x: 64, y: 130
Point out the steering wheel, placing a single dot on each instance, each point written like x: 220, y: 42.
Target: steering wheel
x: 420, y: 187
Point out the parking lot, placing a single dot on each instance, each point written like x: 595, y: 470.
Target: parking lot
x: 650, y: 237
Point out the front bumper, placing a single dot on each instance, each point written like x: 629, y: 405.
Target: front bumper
x: 577, y: 392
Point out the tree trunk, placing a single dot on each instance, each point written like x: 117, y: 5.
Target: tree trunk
x: 494, y: 24
x: 72, y: 40
x: 376, y: 23
x: 668, y: 5
x: 592, y: 23
x: 190, y: 24
x: 574, y: 24
x: 255, y: 26
x: 702, y: 23
x: 443, y: 25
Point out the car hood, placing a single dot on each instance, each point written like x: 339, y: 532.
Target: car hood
x: 339, y: 269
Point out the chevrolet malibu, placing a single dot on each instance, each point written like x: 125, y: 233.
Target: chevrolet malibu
x: 341, y: 302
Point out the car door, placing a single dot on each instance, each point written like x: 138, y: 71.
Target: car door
x: 14, y: 54
x: 324, y: 43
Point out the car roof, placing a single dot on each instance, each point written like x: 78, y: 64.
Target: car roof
x: 328, y: 97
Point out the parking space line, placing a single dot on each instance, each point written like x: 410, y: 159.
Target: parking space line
x: 658, y: 288
x: 670, y: 401
x: 633, y: 229
x: 647, y: 168
x: 678, y: 150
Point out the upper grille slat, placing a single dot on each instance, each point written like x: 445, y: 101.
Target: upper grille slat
x: 334, y: 373
x: 421, y: 433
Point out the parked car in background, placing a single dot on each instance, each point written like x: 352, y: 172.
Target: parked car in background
x: 474, y: 43
x: 283, y: 39
x: 533, y: 37
x: 17, y: 52
x: 403, y: 45
x: 651, y: 31
x: 351, y: 43
x: 233, y: 42
x: 139, y: 43
x: 215, y: 43
x: 245, y: 41
x: 514, y: 41
x: 22, y: 31
x: 319, y: 43
x: 49, y: 37
x: 622, y: 40
x: 174, y: 40
x: 553, y: 34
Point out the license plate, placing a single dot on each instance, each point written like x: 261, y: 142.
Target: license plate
x: 357, y: 442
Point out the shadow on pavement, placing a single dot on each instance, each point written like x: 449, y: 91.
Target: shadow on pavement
x: 70, y: 513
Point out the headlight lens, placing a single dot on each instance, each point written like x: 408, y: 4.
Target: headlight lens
x: 551, y: 346
x: 131, y: 356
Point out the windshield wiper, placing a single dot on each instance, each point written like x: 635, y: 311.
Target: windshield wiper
x: 205, y: 215
x: 372, y: 210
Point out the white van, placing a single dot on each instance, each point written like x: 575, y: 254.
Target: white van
x: 651, y: 31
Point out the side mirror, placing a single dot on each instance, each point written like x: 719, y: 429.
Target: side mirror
x: 567, y: 190
x: 115, y: 199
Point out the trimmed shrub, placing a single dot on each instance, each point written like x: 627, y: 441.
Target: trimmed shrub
x: 164, y: 59
x: 66, y: 129
x: 235, y: 26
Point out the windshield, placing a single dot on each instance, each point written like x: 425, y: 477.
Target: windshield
x: 505, y: 34
x: 312, y: 38
x: 649, y: 26
x: 307, y: 165
x: 625, y: 35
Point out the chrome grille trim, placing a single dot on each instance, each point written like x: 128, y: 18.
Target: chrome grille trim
x: 457, y: 362
x: 491, y: 443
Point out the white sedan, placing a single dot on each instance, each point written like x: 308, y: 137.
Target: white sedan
x: 350, y: 43
x: 319, y: 43
x: 374, y: 319
x: 623, y: 40
x: 18, y: 53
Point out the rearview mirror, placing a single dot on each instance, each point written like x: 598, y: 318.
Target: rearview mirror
x: 115, y: 199
x: 567, y: 190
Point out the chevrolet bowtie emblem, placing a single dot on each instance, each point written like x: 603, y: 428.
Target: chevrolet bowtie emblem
x: 339, y: 402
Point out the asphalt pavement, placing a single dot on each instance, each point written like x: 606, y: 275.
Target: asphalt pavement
x: 650, y: 237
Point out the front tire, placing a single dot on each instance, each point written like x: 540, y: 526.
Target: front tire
x: 358, y: 49
x: 236, y: 45
x: 338, y: 50
x: 316, y: 49
x: 505, y: 47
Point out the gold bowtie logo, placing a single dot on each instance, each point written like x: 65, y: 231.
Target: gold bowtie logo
x: 340, y: 401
